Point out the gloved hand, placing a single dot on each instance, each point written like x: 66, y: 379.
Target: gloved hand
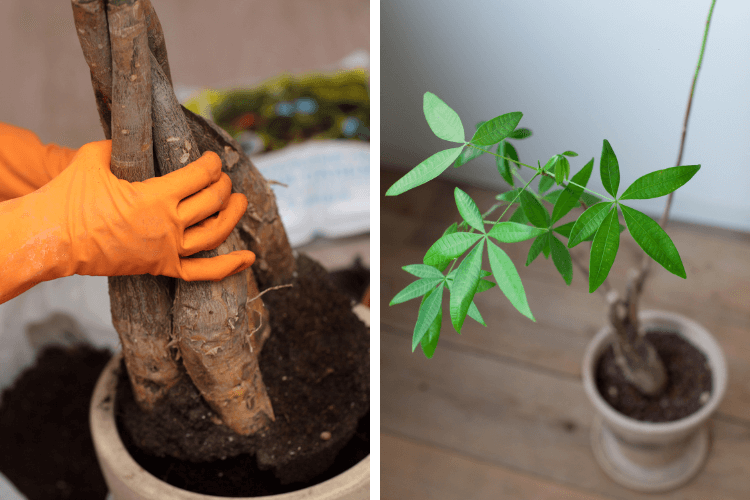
x: 26, y: 164
x: 87, y: 221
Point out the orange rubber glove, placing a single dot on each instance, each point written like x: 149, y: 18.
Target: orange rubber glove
x: 87, y: 221
x: 26, y: 164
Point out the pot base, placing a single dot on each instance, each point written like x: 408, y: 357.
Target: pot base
x: 675, y: 465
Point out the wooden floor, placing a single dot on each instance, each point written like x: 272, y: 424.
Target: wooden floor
x: 500, y: 412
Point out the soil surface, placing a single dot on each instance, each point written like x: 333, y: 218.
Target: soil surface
x: 45, y: 443
x: 689, y: 382
x: 316, y: 369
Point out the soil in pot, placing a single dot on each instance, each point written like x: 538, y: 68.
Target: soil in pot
x: 45, y: 443
x: 316, y: 369
x: 689, y: 382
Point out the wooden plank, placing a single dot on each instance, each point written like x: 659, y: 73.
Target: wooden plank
x: 445, y: 475
x: 715, y: 294
x: 526, y: 420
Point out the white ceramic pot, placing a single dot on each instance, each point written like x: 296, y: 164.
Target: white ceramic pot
x: 653, y: 456
x: 129, y: 481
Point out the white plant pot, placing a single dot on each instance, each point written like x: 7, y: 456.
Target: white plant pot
x: 129, y: 481
x: 653, y: 456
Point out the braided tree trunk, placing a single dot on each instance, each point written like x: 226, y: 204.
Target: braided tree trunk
x: 211, y: 332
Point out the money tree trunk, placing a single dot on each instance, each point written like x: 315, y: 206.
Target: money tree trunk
x: 211, y: 332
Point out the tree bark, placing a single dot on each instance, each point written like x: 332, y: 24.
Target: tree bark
x: 140, y: 304
x: 211, y: 324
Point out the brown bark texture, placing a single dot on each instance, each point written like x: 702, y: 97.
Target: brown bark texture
x: 140, y: 305
x: 210, y: 321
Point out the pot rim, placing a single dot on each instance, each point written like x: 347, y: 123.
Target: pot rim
x: 111, y: 450
x: 706, y: 343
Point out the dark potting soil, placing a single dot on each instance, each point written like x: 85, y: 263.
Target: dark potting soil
x: 316, y: 370
x: 45, y: 443
x: 689, y: 382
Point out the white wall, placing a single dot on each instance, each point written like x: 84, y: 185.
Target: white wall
x: 581, y: 72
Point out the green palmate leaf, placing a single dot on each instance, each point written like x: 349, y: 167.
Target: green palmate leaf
x: 484, y: 285
x: 561, y: 258
x: 589, y: 199
x: 465, y: 286
x: 497, y: 129
x: 432, y: 335
x: 428, y: 311
x: 425, y: 171
x: 468, y: 154
x: 512, y: 232
x: 509, y: 196
x: 536, y: 248
x: 508, y: 280
x: 519, y: 216
x: 610, y: 170
x: 553, y: 196
x: 504, y: 166
x: 603, y: 250
x: 416, y: 289
x: 550, y: 163
x: 564, y: 229
x: 587, y: 223
x: 562, y: 169
x: 660, y: 182
x: 423, y: 271
x: 546, y: 248
x: 535, y: 211
x: 571, y: 194
x: 469, y: 210
x: 520, y: 133
x: 545, y: 183
x: 443, y: 121
x: 473, y: 313
x: 653, y: 240
x: 570, y: 153
x: 449, y: 247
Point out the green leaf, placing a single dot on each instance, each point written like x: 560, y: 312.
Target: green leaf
x: 416, y: 289
x: 603, y: 250
x: 553, y: 196
x: 589, y: 199
x: 428, y: 311
x: 508, y: 280
x: 570, y: 153
x: 536, y: 248
x: 561, y: 258
x: 519, y: 216
x: 443, y: 121
x: 432, y: 335
x: 449, y: 247
x: 425, y: 171
x: 660, y: 182
x: 503, y: 166
x: 520, y: 133
x: 564, y: 229
x: 509, y: 196
x: 465, y: 285
x: 423, y: 271
x: 468, y: 154
x: 451, y: 229
x: 484, y: 285
x: 587, y: 223
x: 535, y: 212
x: 474, y: 314
x: 545, y: 183
x: 546, y: 247
x: 571, y: 194
x: 469, y: 210
x: 497, y: 129
x: 562, y: 169
x: 550, y: 163
x: 610, y: 170
x: 653, y: 240
x: 512, y: 232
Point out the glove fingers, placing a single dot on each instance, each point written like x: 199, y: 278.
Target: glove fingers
x: 205, y: 202
x: 216, y: 268
x: 193, y: 177
x: 211, y: 232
